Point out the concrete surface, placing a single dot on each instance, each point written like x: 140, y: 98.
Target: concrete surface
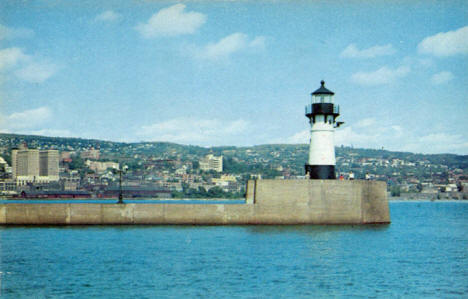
x: 267, y: 202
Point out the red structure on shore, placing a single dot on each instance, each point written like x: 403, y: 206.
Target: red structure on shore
x: 53, y: 194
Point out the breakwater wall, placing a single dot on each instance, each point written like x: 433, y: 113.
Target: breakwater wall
x: 267, y: 202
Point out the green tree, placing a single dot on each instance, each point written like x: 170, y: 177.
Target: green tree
x: 177, y: 194
x: 419, y: 187
x: 77, y: 163
x: 215, y: 192
x: 395, y: 191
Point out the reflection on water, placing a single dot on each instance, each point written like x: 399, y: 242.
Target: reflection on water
x: 314, y: 229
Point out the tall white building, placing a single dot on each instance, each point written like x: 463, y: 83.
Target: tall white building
x: 33, y: 165
x: 49, y: 164
x: 25, y: 163
x: 211, y: 162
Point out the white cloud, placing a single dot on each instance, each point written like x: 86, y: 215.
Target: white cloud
x: 50, y: 132
x: 10, y: 57
x: 195, y: 131
x: 425, y: 62
x: 352, y: 51
x: 437, y: 143
x: 418, y: 63
x: 345, y: 136
x: 384, y: 75
x: 364, y: 132
x: 32, y: 122
x: 442, y: 77
x: 257, y: 43
x: 37, y: 72
x: 366, y: 122
x: 11, y: 33
x: 370, y: 134
x: 349, y: 136
x: 24, y: 66
x: 236, y: 127
x: 27, y: 119
x: 107, y: 16
x: 446, y: 43
x: 229, y: 45
x: 171, y: 21
x: 398, y: 130
x: 27, y: 122
x: 298, y: 138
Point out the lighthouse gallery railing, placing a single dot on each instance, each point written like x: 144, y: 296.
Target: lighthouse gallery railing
x: 309, y: 109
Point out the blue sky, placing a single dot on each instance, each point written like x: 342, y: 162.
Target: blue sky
x: 236, y: 73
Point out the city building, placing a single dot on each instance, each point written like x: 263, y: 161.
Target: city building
x: 5, y: 170
x: 3, y: 163
x: 211, y: 162
x: 65, y: 157
x: 48, y: 164
x: 33, y: 165
x: 25, y: 164
x: 227, y: 183
x: 91, y: 153
x: 7, y: 187
x: 101, y: 167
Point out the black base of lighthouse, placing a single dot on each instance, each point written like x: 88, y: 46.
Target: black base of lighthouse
x: 320, y: 172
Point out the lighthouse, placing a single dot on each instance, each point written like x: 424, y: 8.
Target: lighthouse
x: 322, y: 114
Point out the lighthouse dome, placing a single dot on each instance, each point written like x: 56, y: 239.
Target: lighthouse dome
x: 322, y: 90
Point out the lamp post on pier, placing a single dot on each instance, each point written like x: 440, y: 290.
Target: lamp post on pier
x: 122, y: 170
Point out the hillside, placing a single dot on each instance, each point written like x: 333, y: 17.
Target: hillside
x: 295, y: 154
x: 175, y: 167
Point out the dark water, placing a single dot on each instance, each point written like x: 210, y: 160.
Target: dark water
x: 423, y: 253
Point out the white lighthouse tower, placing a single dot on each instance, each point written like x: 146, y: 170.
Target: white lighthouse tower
x: 322, y: 114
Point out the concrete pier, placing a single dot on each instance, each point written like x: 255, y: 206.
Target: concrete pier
x: 273, y: 202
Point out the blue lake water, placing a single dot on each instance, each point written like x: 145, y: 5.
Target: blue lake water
x: 422, y: 253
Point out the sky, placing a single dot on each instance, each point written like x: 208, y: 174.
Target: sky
x: 214, y: 73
